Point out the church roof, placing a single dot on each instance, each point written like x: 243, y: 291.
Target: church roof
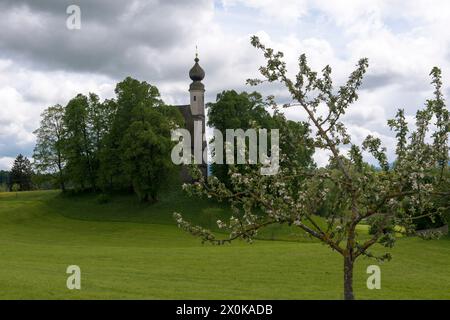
x: 185, y: 111
x: 188, y: 119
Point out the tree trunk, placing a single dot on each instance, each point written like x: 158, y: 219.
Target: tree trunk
x: 348, y: 278
x: 61, y: 181
x: 60, y: 169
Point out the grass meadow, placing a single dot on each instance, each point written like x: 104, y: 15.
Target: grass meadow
x: 127, y: 250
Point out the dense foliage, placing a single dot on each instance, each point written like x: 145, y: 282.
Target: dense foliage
x: 244, y: 111
x: 118, y: 144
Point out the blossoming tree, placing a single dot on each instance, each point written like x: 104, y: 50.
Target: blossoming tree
x: 389, y: 199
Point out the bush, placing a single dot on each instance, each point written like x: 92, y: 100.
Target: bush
x: 428, y: 223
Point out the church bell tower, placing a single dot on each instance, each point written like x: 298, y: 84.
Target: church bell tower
x: 197, y: 89
x: 197, y: 106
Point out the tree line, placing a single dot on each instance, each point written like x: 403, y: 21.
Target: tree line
x: 124, y: 144
x: 120, y: 144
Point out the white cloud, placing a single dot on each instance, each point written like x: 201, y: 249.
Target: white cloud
x: 24, y: 94
x: 6, y: 163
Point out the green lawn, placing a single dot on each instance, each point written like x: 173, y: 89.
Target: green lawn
x: 127, y: 250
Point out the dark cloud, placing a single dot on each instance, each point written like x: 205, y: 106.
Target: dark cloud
x: 107, y: 9
x: 117, y: 37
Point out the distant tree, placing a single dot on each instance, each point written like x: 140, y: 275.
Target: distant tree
x: 145, y: 145
x: 79, y: 143
x: 49, y: 157
x: 45, y: 181
x: 244, y: 110
x: 385, y: 198
x: 129, y: 93
x: 234, y: 110
x: 4, y: 180
x: 110, y: 170
x: 296, y: 146
x: 21, y: 173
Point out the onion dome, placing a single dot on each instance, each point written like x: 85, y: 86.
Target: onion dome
x: 196, y: 73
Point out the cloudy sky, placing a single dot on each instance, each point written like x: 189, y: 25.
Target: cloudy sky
x: 43, y: 63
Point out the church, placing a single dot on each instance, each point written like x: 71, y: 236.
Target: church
x: 195, y: 111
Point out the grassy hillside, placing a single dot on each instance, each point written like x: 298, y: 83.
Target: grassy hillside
x: 129, y: 250
x: 127, y: 208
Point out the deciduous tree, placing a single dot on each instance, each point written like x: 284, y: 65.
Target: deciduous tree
x: 79, y: 142
x: 49, y: 150
x: 386, y: 198
x: 244, y: 110
x: 140, y: 137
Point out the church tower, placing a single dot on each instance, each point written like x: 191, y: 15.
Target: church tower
x: 195, y: 123
x: 197, y: 108
x: 197, y: 89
